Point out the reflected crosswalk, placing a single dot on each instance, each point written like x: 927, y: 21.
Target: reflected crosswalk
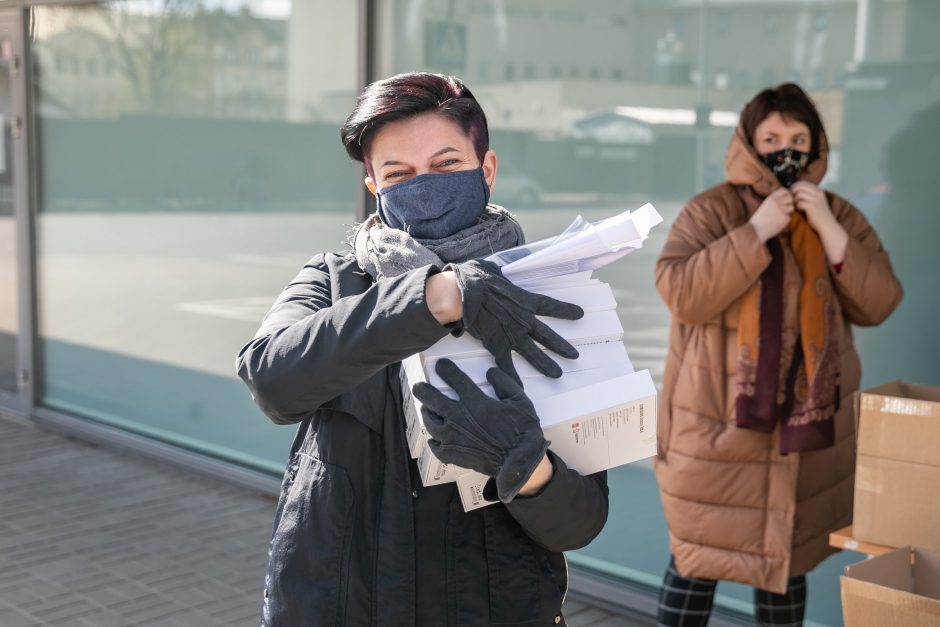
x: 248, y: 309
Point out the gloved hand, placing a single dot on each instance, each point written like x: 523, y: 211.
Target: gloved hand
x: 501, y: 438
x: 502, y: 316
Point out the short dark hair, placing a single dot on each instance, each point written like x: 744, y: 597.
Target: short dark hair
x: 407, y: 95
x: 792, y: 103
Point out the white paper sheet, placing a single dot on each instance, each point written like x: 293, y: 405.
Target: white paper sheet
x: 587, y: 249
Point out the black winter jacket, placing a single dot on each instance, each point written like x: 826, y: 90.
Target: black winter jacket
x: 327, y: 356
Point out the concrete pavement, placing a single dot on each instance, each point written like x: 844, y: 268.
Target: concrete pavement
x: 91, y: 537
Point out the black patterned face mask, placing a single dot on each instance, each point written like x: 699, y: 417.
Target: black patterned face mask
x: 786, y: 164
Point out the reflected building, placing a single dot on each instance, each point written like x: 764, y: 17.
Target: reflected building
x: 174, y: 62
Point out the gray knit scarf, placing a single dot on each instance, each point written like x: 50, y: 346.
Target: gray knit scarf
x: 386, y: 252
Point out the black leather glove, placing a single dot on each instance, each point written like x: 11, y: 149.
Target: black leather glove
x: 502, y: 316
x: 501, y: 438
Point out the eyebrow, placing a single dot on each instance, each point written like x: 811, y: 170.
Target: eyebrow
x: 440, y: 152
x: 444, y: 150
x: 776, y: 133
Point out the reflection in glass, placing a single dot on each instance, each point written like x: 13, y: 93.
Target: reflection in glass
x: 189, y: 166
x: 645, y: 113
x: 9, y: 303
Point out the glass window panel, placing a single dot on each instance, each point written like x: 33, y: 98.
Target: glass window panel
x: 579, y: 141
x: 889, y: 124
x: 9, y: 299
x: 189, y: 164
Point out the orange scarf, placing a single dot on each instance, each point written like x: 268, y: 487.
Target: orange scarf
x: 803, y: 395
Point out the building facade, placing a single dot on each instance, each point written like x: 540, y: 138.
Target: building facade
x: 169, y: 165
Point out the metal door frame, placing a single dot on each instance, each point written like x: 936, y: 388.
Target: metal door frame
x: 21, y: 402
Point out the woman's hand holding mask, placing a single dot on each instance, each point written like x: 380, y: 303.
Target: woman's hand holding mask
x: 773, y: 215
x: 503, y: 317
x: 812, y: 201
x: 499, y: 437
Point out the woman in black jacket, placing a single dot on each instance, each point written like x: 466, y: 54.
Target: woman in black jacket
x: 357, y: 540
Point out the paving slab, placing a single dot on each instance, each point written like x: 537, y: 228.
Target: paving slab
x: 100, y: 538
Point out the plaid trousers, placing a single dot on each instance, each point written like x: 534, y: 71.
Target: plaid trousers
x: 687, y: 602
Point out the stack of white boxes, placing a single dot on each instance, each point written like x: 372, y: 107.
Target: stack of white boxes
x: 598, y: 415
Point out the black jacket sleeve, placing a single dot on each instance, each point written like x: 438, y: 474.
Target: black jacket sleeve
x: 310, y: 349
x: 568, y: 512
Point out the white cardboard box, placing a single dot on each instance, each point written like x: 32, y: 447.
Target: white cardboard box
x: 599, y: 422
x: 601, y: 436
x: 593, y: 328
x: 598, y: 415
x: 435, y: 472
x: 595, y: 362
x: 559, y: 414
x: 604, y: 425
x: 591, y: 295
x: 590, y: 356
x: 470, y: 488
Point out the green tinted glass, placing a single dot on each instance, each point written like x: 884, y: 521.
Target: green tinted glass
x: 600, y: 106
x: 189, y: 165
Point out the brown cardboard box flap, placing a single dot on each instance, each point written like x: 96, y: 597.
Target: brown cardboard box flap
x: 891, y: 413
x: 891, y: 570
x: 903, y: 389
x: 898, y: 589
x: 927, y: 573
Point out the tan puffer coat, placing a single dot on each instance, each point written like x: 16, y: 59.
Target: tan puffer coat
x: 737, y: 509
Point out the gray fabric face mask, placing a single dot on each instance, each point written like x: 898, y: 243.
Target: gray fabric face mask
x: 434, y: 206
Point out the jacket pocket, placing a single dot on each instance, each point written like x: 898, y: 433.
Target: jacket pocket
x: 512, y: 568
x: 308, y: 557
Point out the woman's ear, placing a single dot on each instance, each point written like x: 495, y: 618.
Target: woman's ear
x: 490, y: 165
x: 370, y: 184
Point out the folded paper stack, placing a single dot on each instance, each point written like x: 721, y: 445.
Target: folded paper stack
x: 600, y: 413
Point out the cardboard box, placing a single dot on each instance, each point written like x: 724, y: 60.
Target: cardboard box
x: 470, y: 487
x: 594, y: 328
x: 590, y: 357
x: 594, y: 363
x: 411, y: 372
x: 591, y: 295
x: 604, y: 425
x: 597, y: 441
x: 593, y: 427
x: 897, y: 589
x: 435, y: 472
x: 897, y: 477
x: 598, y: 415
